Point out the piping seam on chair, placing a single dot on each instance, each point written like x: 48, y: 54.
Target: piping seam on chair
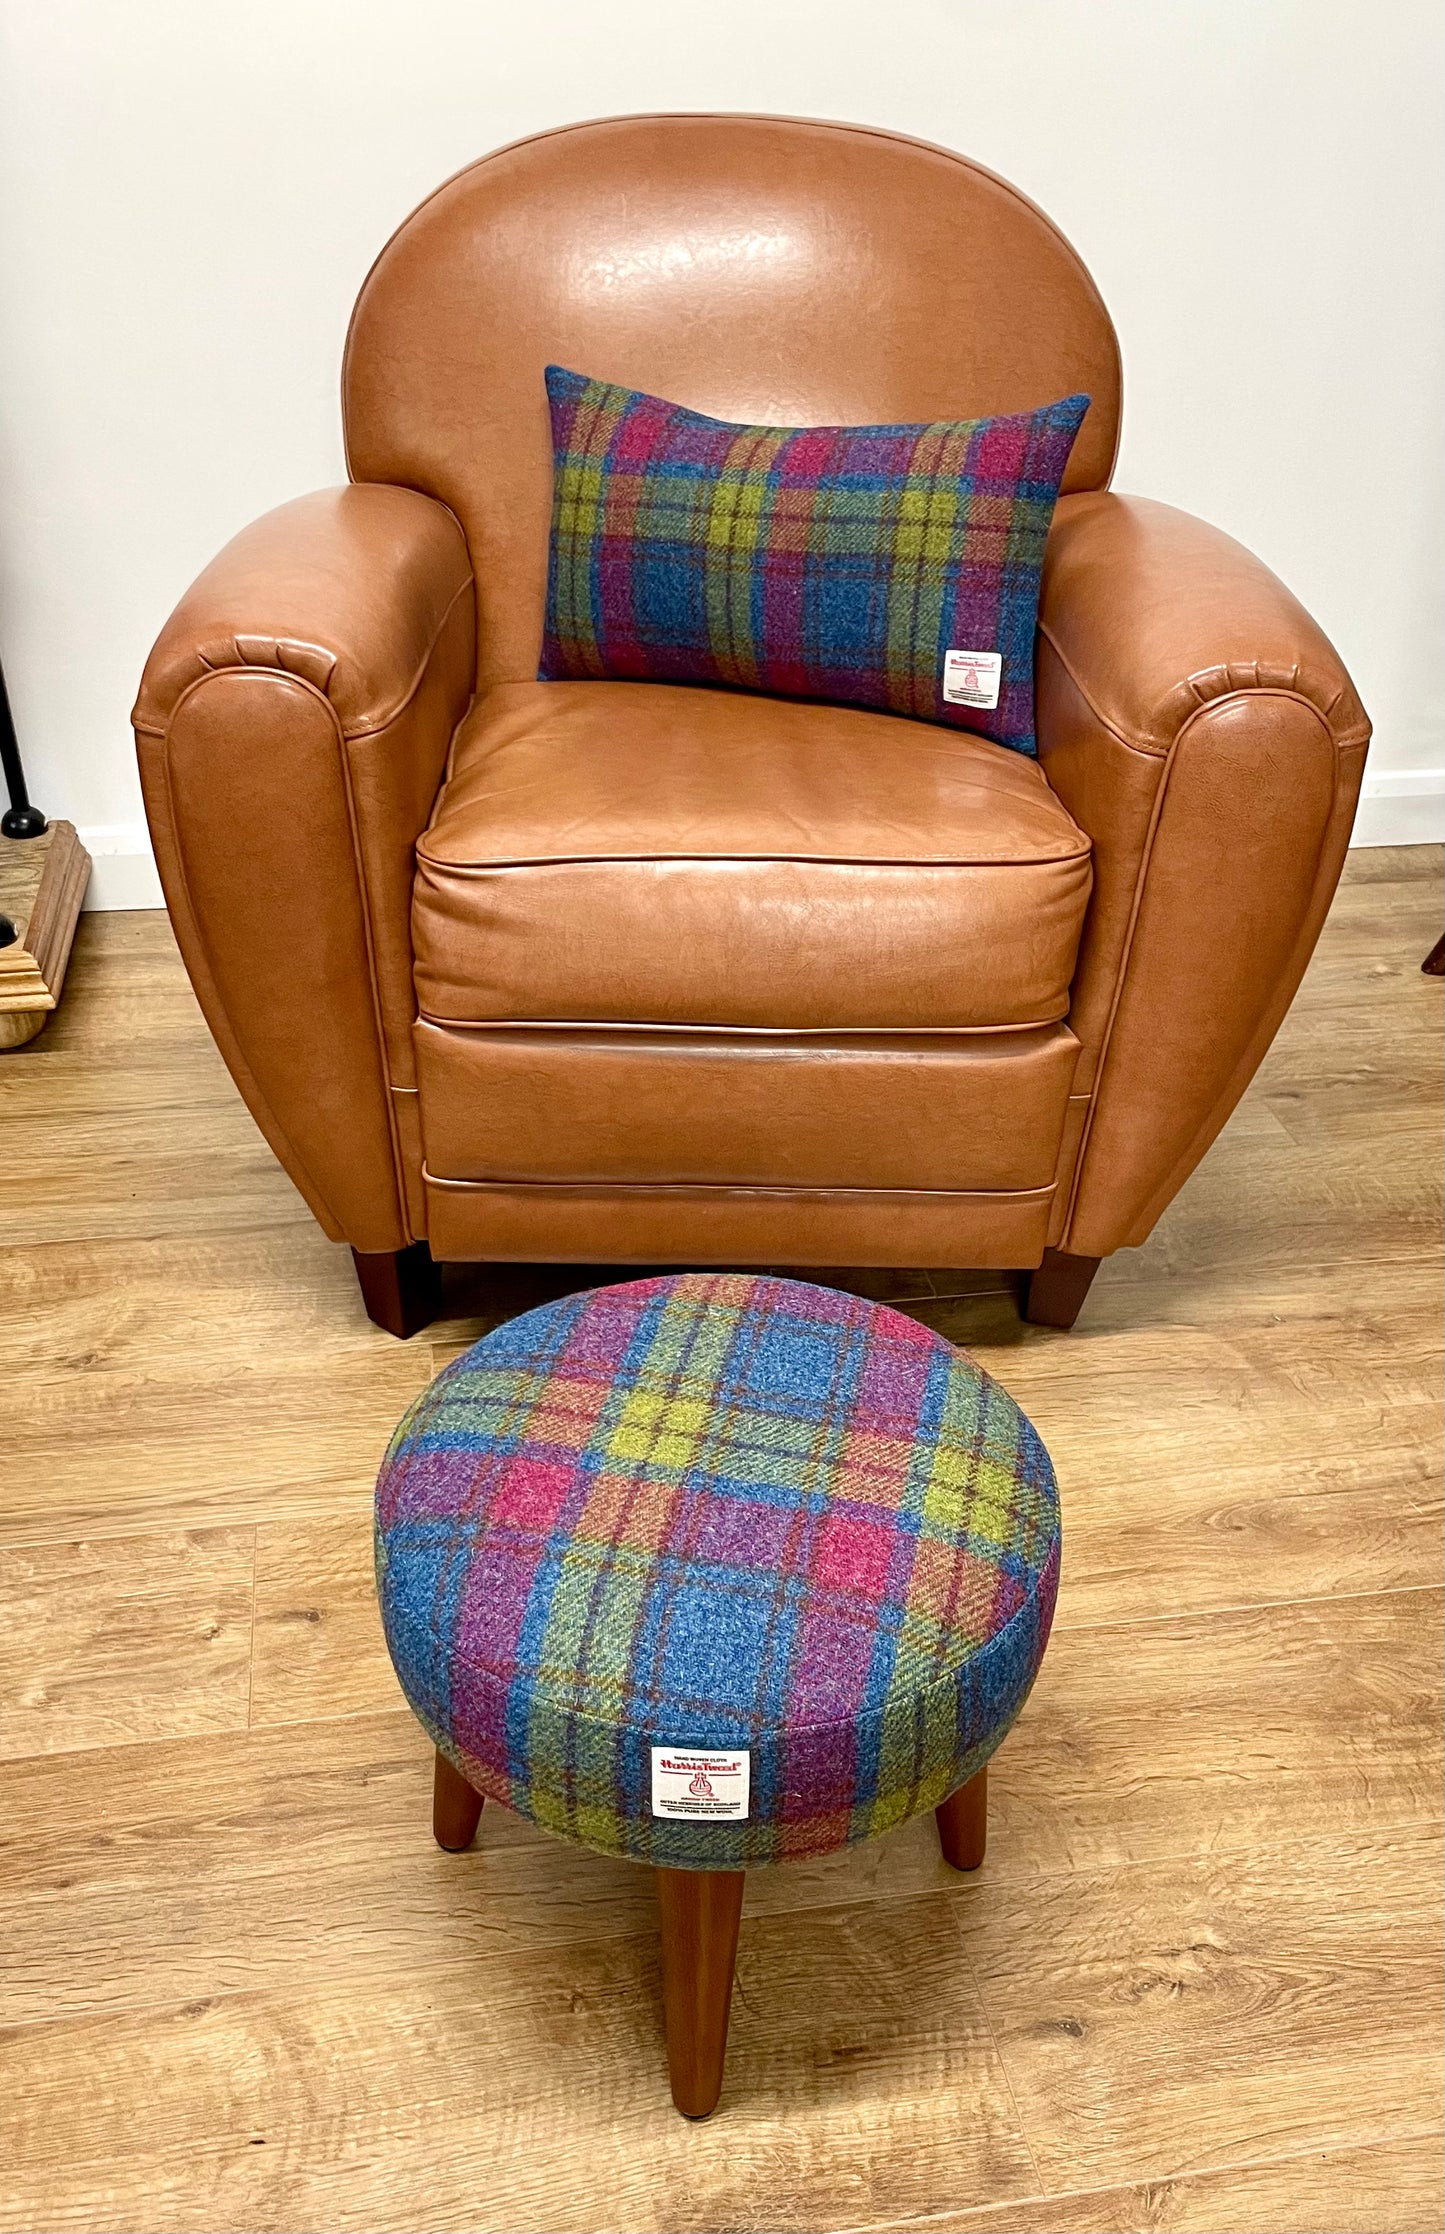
x: 1106, y: 1039
x: 760, y: 860
x: 628, y: 1026
x: 733, y: 1187
x: 378, y: 1011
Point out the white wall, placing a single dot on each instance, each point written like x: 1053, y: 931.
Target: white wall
x: 191, y: 192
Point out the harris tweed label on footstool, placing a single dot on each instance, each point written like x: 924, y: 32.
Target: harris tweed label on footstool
x: 693, y: 1787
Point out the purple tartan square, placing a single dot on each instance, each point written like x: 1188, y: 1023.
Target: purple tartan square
x: 739, y: 1532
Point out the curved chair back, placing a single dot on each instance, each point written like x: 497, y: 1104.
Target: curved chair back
x: 753, y: 267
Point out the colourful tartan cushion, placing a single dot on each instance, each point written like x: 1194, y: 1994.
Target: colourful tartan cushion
x: 716, y: 1511
x: 842, y: 563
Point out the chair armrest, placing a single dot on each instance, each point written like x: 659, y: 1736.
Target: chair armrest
x: 348, y: 589
x: 1153, y: 614
x: 1203, y: 731
x: 292, y: 725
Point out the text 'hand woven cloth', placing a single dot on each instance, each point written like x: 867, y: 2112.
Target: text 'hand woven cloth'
x: 716, y: 1570
x: 894, y: 567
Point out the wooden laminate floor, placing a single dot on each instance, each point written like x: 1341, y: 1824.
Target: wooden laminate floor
x: 1197, y: 1984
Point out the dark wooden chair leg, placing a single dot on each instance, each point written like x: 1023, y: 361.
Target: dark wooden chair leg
x: 700, y: 1909
x: 1057, y: 1290
x: 963, y: 1823
x: 456, y: 1809
x: 1434, y: 962
x: 401, y: 1288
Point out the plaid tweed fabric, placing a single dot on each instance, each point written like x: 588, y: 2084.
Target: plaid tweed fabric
x: 838, y: 563
x: 716, y: 1511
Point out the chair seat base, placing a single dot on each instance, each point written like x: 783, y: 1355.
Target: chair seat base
x: 401, y: 1288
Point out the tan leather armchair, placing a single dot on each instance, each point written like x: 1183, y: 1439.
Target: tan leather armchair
x: 635, y: 973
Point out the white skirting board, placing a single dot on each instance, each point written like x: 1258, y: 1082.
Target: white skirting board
x: 1401, y: 807
x: 1397, y: 808
x: 122, y: 867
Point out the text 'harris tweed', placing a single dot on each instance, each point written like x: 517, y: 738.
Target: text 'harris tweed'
x: 838, y: 563
x: 716, y: 1511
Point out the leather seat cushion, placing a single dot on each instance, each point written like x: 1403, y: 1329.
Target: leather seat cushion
x: 618, y: 852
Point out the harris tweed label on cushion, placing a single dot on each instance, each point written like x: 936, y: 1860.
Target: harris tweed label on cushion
x: 716, y: 1514
x: 850, y: 564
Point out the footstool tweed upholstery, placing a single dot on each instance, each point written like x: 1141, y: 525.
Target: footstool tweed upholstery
x: 716, y: 1511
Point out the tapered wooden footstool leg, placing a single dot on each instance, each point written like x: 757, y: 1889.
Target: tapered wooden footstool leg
x: 700, y: 1910
x: 456, y: 1809
x: 963, y: 1823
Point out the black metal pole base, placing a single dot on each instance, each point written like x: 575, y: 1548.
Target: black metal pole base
x: 21, y: 819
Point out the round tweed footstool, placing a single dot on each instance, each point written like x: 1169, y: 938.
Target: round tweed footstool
x: 712, y: 1572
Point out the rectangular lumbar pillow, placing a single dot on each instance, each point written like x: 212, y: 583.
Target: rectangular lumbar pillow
x: 892, y: 567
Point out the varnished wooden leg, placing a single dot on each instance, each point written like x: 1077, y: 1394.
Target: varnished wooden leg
x: 1057, y: 1290
x: 401, y: 1288
x: 456, y: 1809
x: 963, y: 1823
x: 700, y: 1910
